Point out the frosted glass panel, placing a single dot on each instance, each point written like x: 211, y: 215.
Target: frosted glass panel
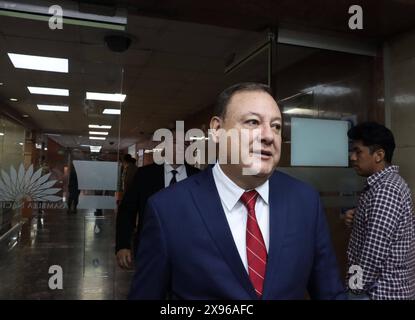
x: 96, y: 202
x: 96, y: 175
x: 317, y: 142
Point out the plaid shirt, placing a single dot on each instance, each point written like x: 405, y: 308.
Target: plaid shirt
x: 382, y: 242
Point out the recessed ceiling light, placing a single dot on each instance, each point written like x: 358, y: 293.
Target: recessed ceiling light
x: 13, y: 99
x: 25, y: 116
x: 23, y: 61
x: 49, y: 91
x: 45, y: 107
x: 97, y: 138
x: 1, y: 134
x: 46, y: 149
x: 99, y: 133
x: 95, y: 126
x: 21, y: 143
x: 1, y: 83
x: 117, y: 97
x: 111, y: 111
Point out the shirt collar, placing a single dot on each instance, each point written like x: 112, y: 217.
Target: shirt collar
x: 380, y: 174
x: 230, y: 192
x: 168, y: 168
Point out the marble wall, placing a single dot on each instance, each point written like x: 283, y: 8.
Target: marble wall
x: 401, y: 76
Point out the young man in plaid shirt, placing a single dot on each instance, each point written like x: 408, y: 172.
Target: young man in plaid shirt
x: 382, y: 242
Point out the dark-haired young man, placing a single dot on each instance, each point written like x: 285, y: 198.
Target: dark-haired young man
x: 382, y: 243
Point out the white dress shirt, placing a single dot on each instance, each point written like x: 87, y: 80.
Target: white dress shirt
x: 236, y: 212
x: 168, y: 175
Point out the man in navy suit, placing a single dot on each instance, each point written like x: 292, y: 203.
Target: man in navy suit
x: 223, y: 234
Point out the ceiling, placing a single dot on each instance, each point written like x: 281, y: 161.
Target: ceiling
x: 173, y: 69
x: 382, y: 18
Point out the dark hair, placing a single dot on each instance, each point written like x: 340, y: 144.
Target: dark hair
x: 127, y: 157
x: 225, y: 96
x: 375, y: 136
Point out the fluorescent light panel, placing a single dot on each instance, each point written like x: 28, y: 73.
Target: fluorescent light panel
x: 117, y: 97
x: 49, y: 91
x: 45, y: 107
x: 97, y: 138
x: 1, y: 134
x: 23, y: 61
x: 111, y: 111
x: 99, y: 133
x: 95, y: 126
x: 95, y: 148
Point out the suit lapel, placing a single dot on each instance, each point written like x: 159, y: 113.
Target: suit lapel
x: 188, y: 168
x: 208, y: 202
x: 277, y: 224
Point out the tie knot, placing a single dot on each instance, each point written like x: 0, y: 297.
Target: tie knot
x: 174, y: 172
x: 248, y: 198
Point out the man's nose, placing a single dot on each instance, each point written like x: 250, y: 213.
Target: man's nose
x: 267, y: 135
x: 353, y: 156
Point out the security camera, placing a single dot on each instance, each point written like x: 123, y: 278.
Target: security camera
x: 118, y: 43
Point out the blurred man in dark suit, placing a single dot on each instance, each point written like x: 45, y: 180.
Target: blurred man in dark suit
x: 146, y: 182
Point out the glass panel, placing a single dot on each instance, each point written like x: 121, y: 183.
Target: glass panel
x: 321, y: 85
x: 65, y: 216
x: 12, y: 137
x: 316, y: 142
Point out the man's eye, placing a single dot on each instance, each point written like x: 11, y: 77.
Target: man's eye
x: 252, y: 122
x: 277, y: 126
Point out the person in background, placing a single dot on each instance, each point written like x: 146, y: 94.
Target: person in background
x: 147, y: 181
x: 45, y: 169
x: 128, y: 172
x: 73, y: 190
x: 382, y: 243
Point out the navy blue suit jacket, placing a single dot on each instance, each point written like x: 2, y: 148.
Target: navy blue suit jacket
x: 187, y: 250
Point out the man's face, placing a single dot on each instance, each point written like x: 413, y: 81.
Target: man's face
x: 252, y: 110
x: 362, y: 160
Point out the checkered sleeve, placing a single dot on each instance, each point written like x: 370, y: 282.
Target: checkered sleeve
x: 382, y: 221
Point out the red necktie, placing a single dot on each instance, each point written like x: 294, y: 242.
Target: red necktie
x: 255, y: 245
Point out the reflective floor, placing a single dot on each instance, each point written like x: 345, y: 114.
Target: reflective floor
x: 81, y: 244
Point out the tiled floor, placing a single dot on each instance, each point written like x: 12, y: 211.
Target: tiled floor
x: 81, y: 244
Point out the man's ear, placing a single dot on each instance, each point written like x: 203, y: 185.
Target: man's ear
x: 215, y: 125
x: 379, y: 155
